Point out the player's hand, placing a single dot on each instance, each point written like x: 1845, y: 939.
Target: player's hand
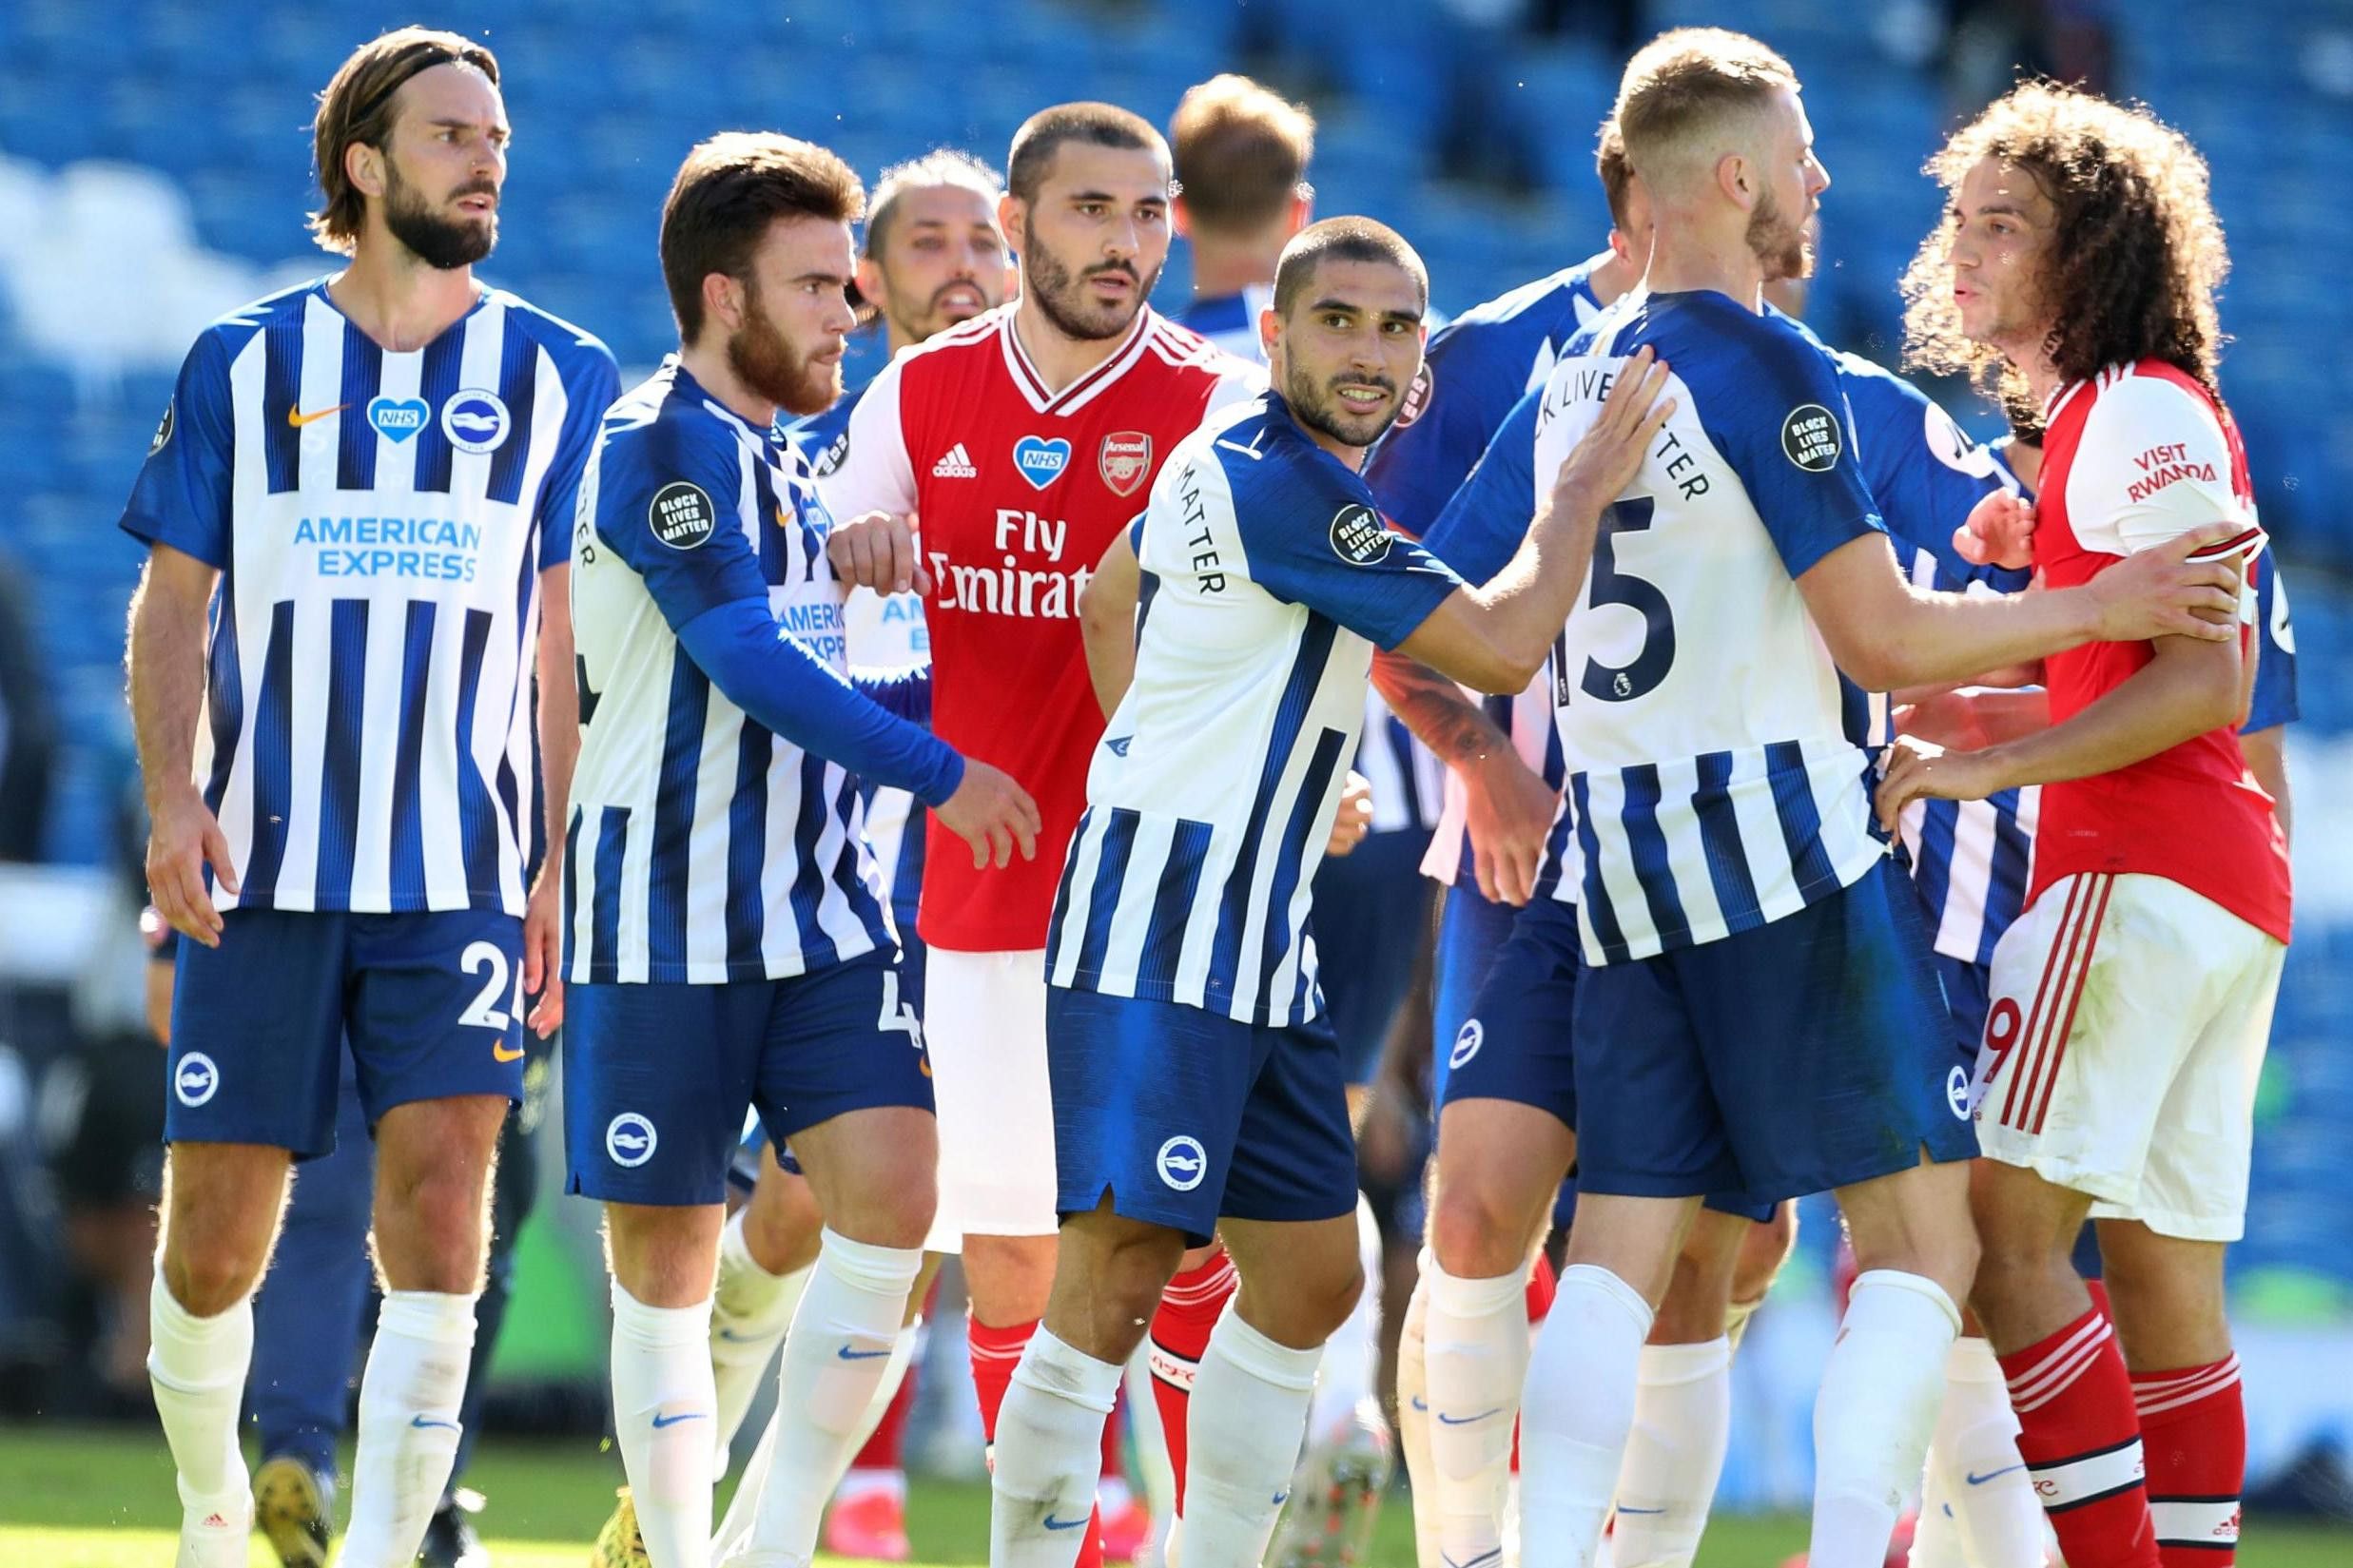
x: 1508, y: 812
x: 1917, y: 769
x: 2000, y: 531
x: 994, y: 815
x: 876, y: 551
x: 1356, y: 819
x: 543, y: 950
x: 183, y: 837
x: 1607, y: 456
x: 2162, y: 592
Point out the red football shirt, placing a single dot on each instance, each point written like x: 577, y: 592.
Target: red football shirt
x: 2139, y: 455
x: 1017, y: 493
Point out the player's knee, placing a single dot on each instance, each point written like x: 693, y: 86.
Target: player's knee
x: 1306, y: 1307
x: 431, y: 1232
x: 1475, y: 1233
x: 782, y: 1231
x: 209, y: 1280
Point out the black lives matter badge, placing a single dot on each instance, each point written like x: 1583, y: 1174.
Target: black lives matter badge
x: 682, y: 515
x: 1358, y: 537
x: 1810, y: 437
x: 163, y: 432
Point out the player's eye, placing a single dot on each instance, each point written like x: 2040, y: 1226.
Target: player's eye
x: 933, y: 243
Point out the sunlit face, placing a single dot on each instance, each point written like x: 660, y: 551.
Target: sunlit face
x: 1350, y: 347
x: 793, y: 316
x: 2001, y: 243
x: 1792, y: 182
x: 943, y: 261
x: 1094, y: 241
x: 443, y: 165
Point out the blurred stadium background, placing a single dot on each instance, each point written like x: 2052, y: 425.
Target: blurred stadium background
x: 154, y: 171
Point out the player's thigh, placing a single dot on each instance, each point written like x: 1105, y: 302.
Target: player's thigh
x: 984, y: 1017
x: 256, y: 1036
x: 220, y: 1207
x: 1826, y: 1042
x: 2100, y: 991
x: 2194, y: 1179
x: 657, y: 1080
x: 1148, y: 1107
x: 434, y: 1008
x: 1471, y: 930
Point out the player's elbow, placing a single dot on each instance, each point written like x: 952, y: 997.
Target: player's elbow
x: 1500, y: 670
x: 1103, y: 613
x: 1872, y: 658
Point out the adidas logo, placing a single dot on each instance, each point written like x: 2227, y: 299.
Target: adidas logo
x: 955, y: 465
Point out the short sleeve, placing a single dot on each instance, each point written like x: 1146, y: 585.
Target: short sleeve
x: 874, y: 472
x: 1774, y: 407
x: 182, y: 495
x: 1481, y: 529
x: 1313, y: 543
x: 669, y: 502
x: 2151, y: 464
x: 588, y: 392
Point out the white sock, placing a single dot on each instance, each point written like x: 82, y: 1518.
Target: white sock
x: 1476, y: 1348
x: 1049, y: 1455
x: 1874, y: 1411
x: 1352, y: 1356
x: 1413, y: 1416
x: 662, y: 1403
x: 751, y: 1309
x: 1975, y: 1464
x: 1682, y: 1422
x: 1577, y: 1413
x: 196, y: 1367
x: 1242, y: 1437
x: 845, y: 1333
x: 408, y: 1430
x: 894, y: 1373
x: 1937, y: 1534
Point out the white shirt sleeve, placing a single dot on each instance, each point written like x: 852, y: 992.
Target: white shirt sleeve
x: 2152, y: 464
x: 875, y: 473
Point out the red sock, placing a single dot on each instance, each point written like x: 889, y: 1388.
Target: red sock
x: 882, y: 1449
x: 1114, y: 1465
x: 1189, y: 1310
x: 995, y: 1353
x: 2099, y: 1298
x: 2081, y: 1442
x: 2193, y: 1424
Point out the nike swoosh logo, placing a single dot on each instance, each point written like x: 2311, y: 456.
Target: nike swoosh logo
x: 661, y: 1421
x: 848, y: 1354
x: 1420, y: 1403
x: 500, y: 1054
x: 295, y: 417
x: 425, y: 1422
x: 1053, y: 1524
x: 1975, y: 1480
x: 1624, y: 1509
x: 1444, y: 1420
x: 1482, y: 1557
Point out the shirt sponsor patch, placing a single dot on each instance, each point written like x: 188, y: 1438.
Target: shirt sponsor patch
x: 682, y: 516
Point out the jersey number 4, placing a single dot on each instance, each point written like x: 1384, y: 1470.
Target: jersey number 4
x: 1622, y: 684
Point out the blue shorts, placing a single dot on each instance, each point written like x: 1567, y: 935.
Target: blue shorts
x: 1798, y: 1057
x: 1518, y: 1044
x: 1967, y: 992
x: 1185, y: 1116
x: 1472, y: 929
x: 431, y: 1002
x: 656, y: 1078
x: 1372, y: 915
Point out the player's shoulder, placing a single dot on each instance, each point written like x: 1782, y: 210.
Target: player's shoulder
x: 1726, y: 354
x: 667, y: 421
x: 577, y: 352
x: 1177, y: 351
x: 2142, y: 405
x: 224, y: 336
x: 978, y: 340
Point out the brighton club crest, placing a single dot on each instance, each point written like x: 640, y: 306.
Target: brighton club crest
x: 1123, y: 459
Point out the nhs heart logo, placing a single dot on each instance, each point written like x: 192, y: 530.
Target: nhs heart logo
x: 397, y: 418
x: 1040, y: 461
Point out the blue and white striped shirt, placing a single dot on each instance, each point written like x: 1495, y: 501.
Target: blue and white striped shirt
x: 1268, y: 578
x: 380, y: 520
x: 704, y: 846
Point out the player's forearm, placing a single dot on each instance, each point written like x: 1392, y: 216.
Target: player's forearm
x: 1520, y: 609
x: 2183, y: 693
x: 1455, y: 728
x: 1943, y: 638
x: 780, y: 684
x: 165, y: 661
x: 559, y: 711
x: 1107, y: 625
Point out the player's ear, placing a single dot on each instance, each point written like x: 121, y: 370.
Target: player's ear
x: 1302, y: 214
x: 869, y: 274
x: 364, y: 165
x: 1180, y: 217
x: 1270, y: 332
x: 723, y: 300
x: 1011, y: 209
x: 1734, y: 178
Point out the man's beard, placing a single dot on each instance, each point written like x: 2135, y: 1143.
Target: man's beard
x: 765, y: 361
x: 1060, y: 292
x: 1312, y: 406
x: 1784, y: 247
x: 919, y: 325
x: 443, y: 243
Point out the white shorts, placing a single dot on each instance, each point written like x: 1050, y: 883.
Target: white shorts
x: 985, y: 1019
x: 2125, y: 1034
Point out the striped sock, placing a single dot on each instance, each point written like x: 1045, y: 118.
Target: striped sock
x: 1188, y: 1312
x: 2081, y: 1442
x: 2193, y: 1422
